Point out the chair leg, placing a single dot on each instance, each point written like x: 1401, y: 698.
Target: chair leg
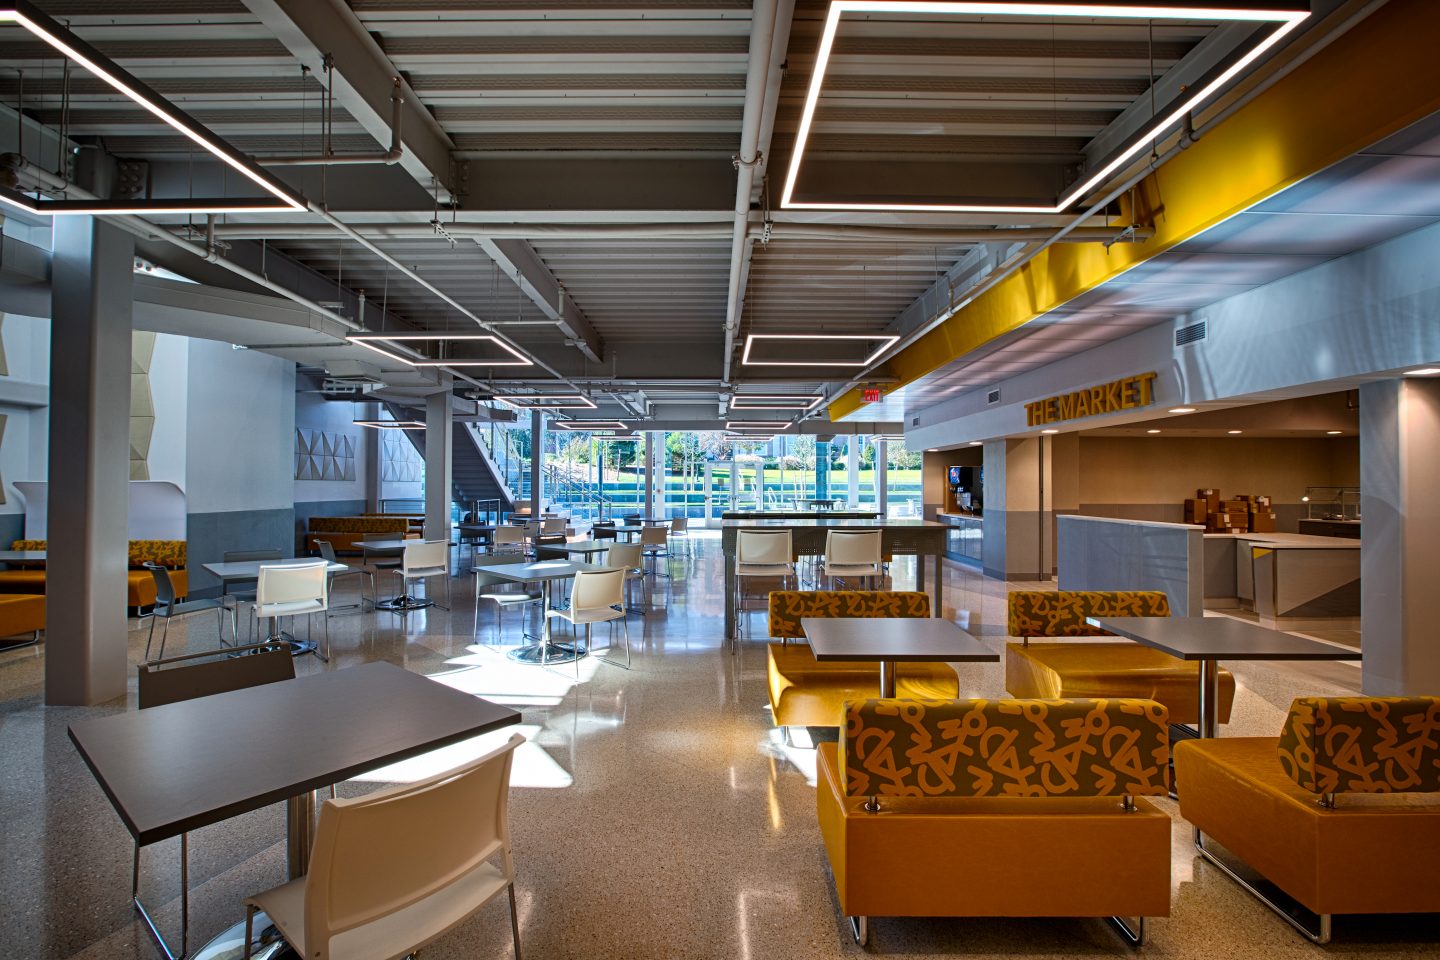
x: 151, y: 639
x: 514, y: 921
x: 164, y: 635
x: 860, y: 929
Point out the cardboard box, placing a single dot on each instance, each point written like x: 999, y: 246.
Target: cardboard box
x: 1263, y: 523
x: 1196, y: 511
x: 1211, y: 498
x: 1234, y: 506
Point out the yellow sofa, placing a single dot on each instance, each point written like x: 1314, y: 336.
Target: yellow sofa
x: 21, y: 613
x: 140, y: 589
x: 804, y: 692
x: 343, y: 532
x: 1341, y: 811
x: 1003, y: 808
x: 1121, y: 669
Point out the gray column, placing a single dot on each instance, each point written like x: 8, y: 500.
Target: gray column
x: 882, y: 480
x: 649, y: 508
x: 853, y: 469
x: 1014, y: 518
x: 92, y: 279
x: 1400, y: 539
x: 822, y: 469
x: 537, y: 463
x: 439, y: 464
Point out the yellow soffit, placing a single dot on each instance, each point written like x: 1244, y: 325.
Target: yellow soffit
x: 1375, y: 80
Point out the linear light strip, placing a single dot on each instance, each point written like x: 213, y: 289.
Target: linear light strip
x: 1288, y: 20
x: 548, y: 401
x: 50, y: 32
x: 773, y: 402
x: 591, y: 425
x: 373, y: 341
x: 390, y: 424
x: 889, y: 340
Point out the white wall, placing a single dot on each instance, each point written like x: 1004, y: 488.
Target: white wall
x: 169, y: 392
x: 25, y: 447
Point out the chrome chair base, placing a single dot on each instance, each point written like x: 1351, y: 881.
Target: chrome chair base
x: 266, y: 943
x: 1315, y: 927
x: 1135, y: 936
x: 860, y: 929
x: 546, y: 654
x: 404, y: 603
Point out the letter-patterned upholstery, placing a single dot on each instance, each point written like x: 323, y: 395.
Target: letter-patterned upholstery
x: 788, y: 607
x: 1005, y: 748
x: 1363, y: 744
x: 1062, y: 613
x: 167, y: 553
x: 359, y: 525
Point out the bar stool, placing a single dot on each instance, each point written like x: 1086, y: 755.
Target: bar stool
x: 760, y: 553
x: 854, y: 553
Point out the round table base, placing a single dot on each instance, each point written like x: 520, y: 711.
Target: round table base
x: 403, y: 603
x: 266, y: 943
x: 548, y: 653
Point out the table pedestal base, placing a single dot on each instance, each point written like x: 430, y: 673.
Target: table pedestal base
x: 266, y: 943
x: 403, y: 603
x: 548, y: 653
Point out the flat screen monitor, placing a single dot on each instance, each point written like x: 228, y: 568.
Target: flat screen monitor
x: 956, y: 477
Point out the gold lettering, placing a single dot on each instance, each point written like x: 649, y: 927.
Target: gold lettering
x: 1067, y: 406
x: 1082, y: 403
x: 1128, y: 393
x: 1147, y: 389
x: 1112, y: 396
x: 1097, y: 400
x: 1030, y: 414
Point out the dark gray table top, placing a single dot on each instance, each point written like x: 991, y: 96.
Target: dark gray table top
x: 174, y: 768
x: 583, y: 546
x: 1219, y: 638
x: 892, y: 638
x: 842, y: 523
x: 538, y: 569
x: 625, y: 528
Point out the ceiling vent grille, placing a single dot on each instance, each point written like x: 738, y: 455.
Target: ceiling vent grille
x: 1194, y: 333
x: 914, y: 421
x: 993, y: 396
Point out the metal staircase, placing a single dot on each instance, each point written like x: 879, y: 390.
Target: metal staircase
x: 473, y: 473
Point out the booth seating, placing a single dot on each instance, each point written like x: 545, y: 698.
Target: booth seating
x: 1341, y: 811
x: 21, y: 613
x: 1050, y: 671
x: 998, y: 808
x: 343, y: 532
x: 141, y: 584
x: 804, y: 692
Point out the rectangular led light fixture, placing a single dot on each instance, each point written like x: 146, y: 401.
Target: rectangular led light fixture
x: 746, y: 439
x: 591, y: 425
x: 374, y: 341
x: 753, y: 401
x: 391, y: 424
x: 765, y: 426
x: 280, y: 199
x: 549, y: 401
x: 1285, y: 20
x: 885, y: 341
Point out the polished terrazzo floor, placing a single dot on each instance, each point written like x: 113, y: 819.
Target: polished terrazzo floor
x: 656, y: 812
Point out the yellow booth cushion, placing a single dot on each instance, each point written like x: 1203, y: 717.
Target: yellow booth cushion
x: 1124, y: 669
x: 804, y: 692
x: 21, y: 613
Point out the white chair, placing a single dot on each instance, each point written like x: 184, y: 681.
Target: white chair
x: 398, y: 868
x: 552, y: 525
x: 424, y: 559
x: 655, y: 543
x: 854, y: 553
x: 511, y: 537
x: 760, y: 553
x: 503, y: 593
x: 680, y: 532
x: 628, y: 557
x: 597, y: 596
x: 327, y: 553
x: 292, y: 590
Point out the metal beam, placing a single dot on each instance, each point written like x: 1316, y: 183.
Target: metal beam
x: 363, y: 81
x: 519, y: 261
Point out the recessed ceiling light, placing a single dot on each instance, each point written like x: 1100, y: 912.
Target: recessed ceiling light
x: 1182, y: 409
x: 1284, y: 22
x: 1049, y: 431
x: 885, y: 341
x: 1152, y: 431
x: 932, y: 449
x: 391, y: 424
x: 1234, y: 432
x: 1423, y: 372
x: 977, y: 443
x: 374, y: 341
x: 770, y: 401
x: 591, y: 425
x: 73, y: 48
x: 1333, y: 433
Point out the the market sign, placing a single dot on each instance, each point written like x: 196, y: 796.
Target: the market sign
x: 1127, y: 393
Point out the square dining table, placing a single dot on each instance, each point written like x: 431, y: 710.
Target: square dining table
x: 545, y: 573
x: 891, y: 640
x: 1212, y: 639
x: 175, y: 768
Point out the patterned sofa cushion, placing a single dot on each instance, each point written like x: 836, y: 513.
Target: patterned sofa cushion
x: 167, y: 553
x: 787, y: 607
x: 1005, y: 748
x: 359, y: 525
x: 1363, y: 744
x: 1062, y: 613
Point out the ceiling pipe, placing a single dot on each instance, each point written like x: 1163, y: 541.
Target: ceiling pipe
x: 388, y: 158
x: 778, y: 232
x: 769, y: 30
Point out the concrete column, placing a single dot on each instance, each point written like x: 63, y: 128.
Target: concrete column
x: 1400, y: 542
x: 649, y: 509
x: 852, y: 470
x: 882, y: 480
x: 1014, y: 518
x: 537, y: 462
x: 439, y: 464
x: 92, y: 280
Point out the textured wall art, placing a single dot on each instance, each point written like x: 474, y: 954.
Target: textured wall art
x: 399, y: 461
x: 324, y: 456
x: 142, y: 403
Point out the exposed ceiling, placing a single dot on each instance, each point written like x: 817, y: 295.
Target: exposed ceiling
x: 569, y: 172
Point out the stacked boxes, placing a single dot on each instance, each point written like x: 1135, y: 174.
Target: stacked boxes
x: 1242, y: 513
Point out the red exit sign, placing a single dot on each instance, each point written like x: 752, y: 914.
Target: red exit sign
x: 870, y: 394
